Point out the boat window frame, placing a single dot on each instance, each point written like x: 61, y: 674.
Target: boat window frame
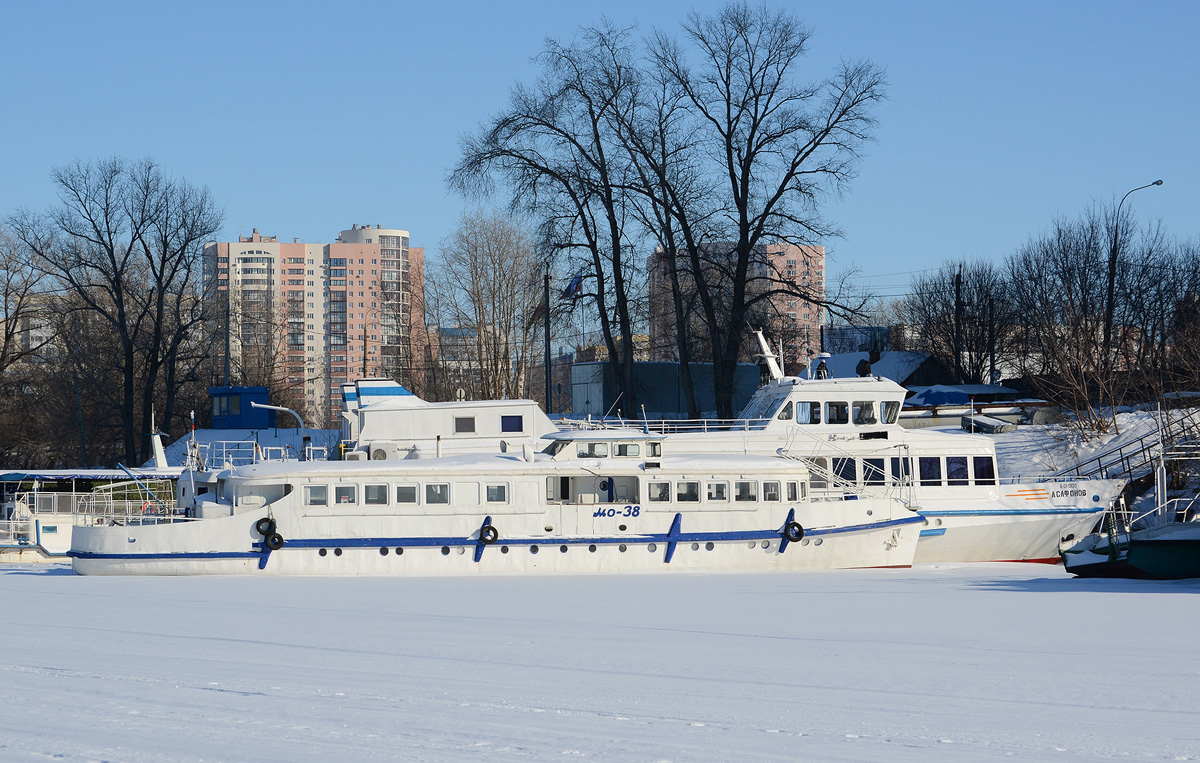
x: 308, y: 494
x: 768, y: 486
x: 965, y: 478
x: 857, y: 408
x: 487, y: 493
x: 931, y: 480
x: 593, y: 448
x: 620, y: 450
x: 889, y: 411
x: 367, y: 499
x: 708, y: 492
x: 874, y: 471
x: 416, y: 494
x: 813, y: 408
x: 339, y: 490
x: 987, y: 479
x: 658, y: 492
x: 691, y: 496
x: 837, y: 405
x: 750, y: 497
x: 432, y: 495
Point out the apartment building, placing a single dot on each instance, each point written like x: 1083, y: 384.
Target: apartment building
x: 786, y: 318
x: 302, y: 318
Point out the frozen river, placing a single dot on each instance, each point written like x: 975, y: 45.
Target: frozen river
x: 946, y: 662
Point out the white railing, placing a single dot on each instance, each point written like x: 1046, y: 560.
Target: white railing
x: 229, y: 453
x: 669, y: 426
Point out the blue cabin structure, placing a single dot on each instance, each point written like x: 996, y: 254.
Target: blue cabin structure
x: 231, y: 408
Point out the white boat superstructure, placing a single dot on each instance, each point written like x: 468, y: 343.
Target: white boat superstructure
x: 846, y: 430
x: 592, y: 501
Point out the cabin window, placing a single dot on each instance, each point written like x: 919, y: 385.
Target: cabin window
x: 514, y: 423
x: 592, y: 450
x: 845, y: 469
x: 655, y: 449
x: 873, y: 471
x: 657, y: 492
x: 745, y: 491
x: 554, y: 448
x: 464, y: 424
x: 891, y: 409
x: 818, y: 468
x: 985, y: 470
x: 687, y: 492
x: 437, y: 492
x: 627, y: 449
x: 345, y: 494
x: 770, y: 491
x: 316, y: 495
x: 793, y: 493
x: 375, y: 495
x: 931, y: 470
x: 497, y: 493
x: 406, y: 494
x: 864, y: 412
x: 902, y: 470
x: 837, y: 413
x: 718, y: 491
x: 785, y: 414
x: 956, y: 470
x: 808, y: 413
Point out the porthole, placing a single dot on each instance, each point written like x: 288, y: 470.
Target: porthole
x: 399, y: 551
x: 621, y: 527
x: 622, y: 546
x: 652, y: 547
x: 870, y: 513
x: 383, y: 551
x: 322, y: 552
x: 563, y: 549
x: 766, y: 544
x: 804, y: 542
x: 937, y: 522
x: 753, y: 544
x: 592, y: 548
x: 504, y: 549
x: 709, y: 546
x: 817, y: 542
x: 337, y: 552
x: 445, y: 551
x: 533, y: 549
x: 461, y: 549
x: 695, y: 546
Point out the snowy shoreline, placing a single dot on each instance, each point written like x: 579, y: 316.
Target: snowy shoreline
x: 946, y: 662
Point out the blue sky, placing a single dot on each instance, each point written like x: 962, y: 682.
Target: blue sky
x: 303, y: 118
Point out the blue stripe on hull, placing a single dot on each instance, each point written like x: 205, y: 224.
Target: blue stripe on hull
x: 460, y: 541
x: 1009, y: 512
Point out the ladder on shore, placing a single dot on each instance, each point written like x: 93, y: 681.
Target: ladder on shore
x: 1180, y: 433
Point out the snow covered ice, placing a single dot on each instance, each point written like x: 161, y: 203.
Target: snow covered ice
x: 941, y: 662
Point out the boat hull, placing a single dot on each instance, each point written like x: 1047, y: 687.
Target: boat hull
x: 382, y: 547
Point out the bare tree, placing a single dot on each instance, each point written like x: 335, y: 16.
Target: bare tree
x: 553, y: 145
x: 961, y: 313
x: 120, y: 241
x: 773, y: 148
x: 488, y: 278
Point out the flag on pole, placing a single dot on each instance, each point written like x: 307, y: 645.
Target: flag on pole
x: 573, y: 288
x: 538, y: 312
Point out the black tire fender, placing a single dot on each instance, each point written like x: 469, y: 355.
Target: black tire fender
x: 793, y: 532
x: 274, y: 541
x: 264, y: 526
x: 488, y: 535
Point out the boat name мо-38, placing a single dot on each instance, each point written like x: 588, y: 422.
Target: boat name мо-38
x: 593, y: 501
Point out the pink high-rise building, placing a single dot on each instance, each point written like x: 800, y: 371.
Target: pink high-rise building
x: 304, y: 318
x: 786, y: 318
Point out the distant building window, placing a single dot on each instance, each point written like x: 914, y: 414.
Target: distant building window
x: 512, y: 423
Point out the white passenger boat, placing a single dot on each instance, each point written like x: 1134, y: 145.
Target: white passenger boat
x: 593, y: 501
x: 846, y: 430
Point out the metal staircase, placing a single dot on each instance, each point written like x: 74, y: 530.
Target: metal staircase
x: 1179, y: 432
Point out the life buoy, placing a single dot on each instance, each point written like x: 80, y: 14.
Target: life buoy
x: 274, y: 541
x: 793, y: 532
x: 147, y: 508
x: 488, y: 535
x: 264, y: 526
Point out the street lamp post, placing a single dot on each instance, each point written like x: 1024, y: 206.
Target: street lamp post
x: 1112, y: 269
